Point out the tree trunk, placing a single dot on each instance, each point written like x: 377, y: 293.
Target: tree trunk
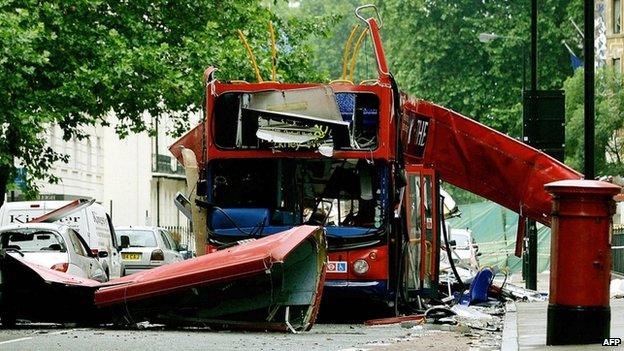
x: 4, y: 179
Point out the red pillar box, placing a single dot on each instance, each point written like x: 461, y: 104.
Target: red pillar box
x: 580, y: 261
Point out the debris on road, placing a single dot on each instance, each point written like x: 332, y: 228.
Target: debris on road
x: 516, y: 292
x: 393, y: 320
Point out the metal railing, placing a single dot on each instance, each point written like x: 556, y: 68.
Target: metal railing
x: 617, y: 249
x: 182, y: 235
x: 166, y: 164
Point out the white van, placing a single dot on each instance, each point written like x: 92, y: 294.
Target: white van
x: 91, y: 221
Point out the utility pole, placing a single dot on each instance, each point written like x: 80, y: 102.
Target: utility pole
x: 589, y: 88
x: 531, y: 228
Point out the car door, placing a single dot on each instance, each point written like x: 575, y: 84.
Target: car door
x: 176, y: 248
x: 92, y: 267
x: 79, y: 255
x: 170, y: 250
x: 114, y: 258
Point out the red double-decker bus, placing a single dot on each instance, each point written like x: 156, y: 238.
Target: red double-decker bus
x: 363, y: 162
x: 277, y: 155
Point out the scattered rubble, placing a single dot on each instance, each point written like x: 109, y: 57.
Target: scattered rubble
x: 474, y: 309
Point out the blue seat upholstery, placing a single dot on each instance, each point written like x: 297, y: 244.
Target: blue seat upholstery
x: 348, y: 231
x: 481, y: 285
x: 243, y: 218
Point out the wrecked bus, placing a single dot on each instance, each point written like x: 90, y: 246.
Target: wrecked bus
x: 271, y: 156
x: 260, y: 180
x: 361, y: 160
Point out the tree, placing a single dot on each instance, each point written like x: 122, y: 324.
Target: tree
x: 434, y: 52
x: 609, y: 120
x: 327, y: 47
x: 74, y: 63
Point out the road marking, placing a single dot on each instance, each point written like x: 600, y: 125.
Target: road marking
x: 42, y: 334
x: 59, y: 332
x: 16, y: 340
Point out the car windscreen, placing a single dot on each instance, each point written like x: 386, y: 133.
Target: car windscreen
x: 32, y: 240
x: 138, y: 238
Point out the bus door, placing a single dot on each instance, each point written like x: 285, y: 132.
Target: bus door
x: 422, y: 242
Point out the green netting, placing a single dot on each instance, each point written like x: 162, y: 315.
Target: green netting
x: 494, y: 229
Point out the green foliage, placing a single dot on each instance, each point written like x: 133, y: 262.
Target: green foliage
x: 609, y: 122
x: 461, y: 196
x: 327, y: 47
x: 434, y: 52
x: 73, y: 63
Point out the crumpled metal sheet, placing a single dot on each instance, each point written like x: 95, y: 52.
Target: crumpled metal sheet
x: 273, y: 283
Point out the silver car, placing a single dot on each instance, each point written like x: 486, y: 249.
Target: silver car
x: 146, y: 247
x: 53, y: 246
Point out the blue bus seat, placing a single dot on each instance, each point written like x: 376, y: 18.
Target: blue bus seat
x: 480, y: 285
x: 243, y: 217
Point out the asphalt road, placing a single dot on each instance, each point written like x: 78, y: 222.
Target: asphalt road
x: 340, y: 337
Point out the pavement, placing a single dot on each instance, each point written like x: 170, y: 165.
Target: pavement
x: 525, y: 324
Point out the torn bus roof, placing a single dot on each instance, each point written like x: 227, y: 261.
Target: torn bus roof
x: 252, y: 286
x: 273, y: 283
x: 481, y: 160
x: 191, y: 140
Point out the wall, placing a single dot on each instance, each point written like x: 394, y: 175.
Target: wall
x: 127, y: 175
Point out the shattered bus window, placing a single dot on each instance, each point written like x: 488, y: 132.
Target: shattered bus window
x: 279, y: 193
x: 299, y: 119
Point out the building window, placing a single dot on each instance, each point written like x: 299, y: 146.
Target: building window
x: 89, y: 155
x: 52, y: 135
x: 617, y: 65
x: 76, y: 153
x: 96, y: 161
x: 617, y: 16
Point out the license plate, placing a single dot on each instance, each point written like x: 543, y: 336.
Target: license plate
x: 131, y: 256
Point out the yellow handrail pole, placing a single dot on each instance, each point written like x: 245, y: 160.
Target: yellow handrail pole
x: 252, y: 58
x: 273, y: 53
x: 345, y: 54
x: 355, y: 52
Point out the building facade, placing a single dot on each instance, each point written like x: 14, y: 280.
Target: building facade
x: 135, y: 178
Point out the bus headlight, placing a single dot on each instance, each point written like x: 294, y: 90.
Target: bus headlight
x: 360, y: 266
